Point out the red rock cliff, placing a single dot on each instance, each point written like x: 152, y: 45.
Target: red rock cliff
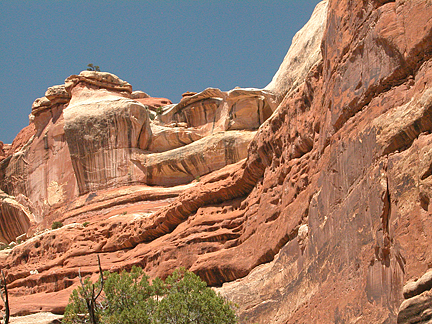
x: 322, y: 219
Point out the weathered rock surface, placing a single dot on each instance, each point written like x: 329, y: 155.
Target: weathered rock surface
x: 213, y: 110
x: 323, y: 218
x: 188, y: 94
x: 2, y: 151
x: 40, y: 318
x: 153, y: 103
x: 21, y: 139
x: 139, y: 95
x: 305, y: 51
x: 416, y: 287
x: 184, y: 164
x: 15, y: 219
x: 101, y: 135
x: 417, y: 307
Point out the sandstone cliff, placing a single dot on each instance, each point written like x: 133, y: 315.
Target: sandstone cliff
x: 304, y: 202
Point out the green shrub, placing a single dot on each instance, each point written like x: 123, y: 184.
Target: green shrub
x: 85, y: 224
x: 4, y: 246
x: 56, y: 225
x: 130, y: 298
x: 91, y: 67
x: 189, y: 300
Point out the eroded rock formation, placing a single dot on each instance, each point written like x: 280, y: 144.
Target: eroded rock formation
x: 15, y: 219
x: 417, y: 306
x: 305, y: 202
x: 94, y: 133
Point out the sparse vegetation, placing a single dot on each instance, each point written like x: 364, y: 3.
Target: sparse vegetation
x: 159, y: 111
x: 91, y: 67
x: 129, y: 297
x: 151, y: 114
x: 4, y: 246
x: 56, y: 225
x: 85, y: 224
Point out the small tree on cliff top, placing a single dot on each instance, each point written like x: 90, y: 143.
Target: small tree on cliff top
x: 91, y: 67
x: 183, y: 298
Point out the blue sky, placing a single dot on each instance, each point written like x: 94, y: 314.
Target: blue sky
x: 161, y: 47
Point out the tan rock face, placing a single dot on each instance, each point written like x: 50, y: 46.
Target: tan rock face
x: 15, y: 219
x: 213, y: 110
x: 103, y: 80
x: 305, y: 52
x: 184, y: 164
x: 101, y: 133
x: 313, y: 211
x: 139, y: 95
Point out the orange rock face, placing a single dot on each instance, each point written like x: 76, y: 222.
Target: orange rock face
x: 323, y: 219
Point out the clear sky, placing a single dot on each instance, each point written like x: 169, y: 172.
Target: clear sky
x: 161, y: 47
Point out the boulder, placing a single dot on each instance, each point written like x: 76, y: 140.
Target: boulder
x: 57, y: 94
x: 139, y: 95
x: 249, y: 108
x: 188, y: 94
x: 52, y: 104
x: 40, y: 318
x: 416, y: 287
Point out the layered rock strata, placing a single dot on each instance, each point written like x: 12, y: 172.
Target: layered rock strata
x: 186, y: 163
x: 417, y: 306
x: 323, y: 220
x: 94, y: 133
x: 169, y: 145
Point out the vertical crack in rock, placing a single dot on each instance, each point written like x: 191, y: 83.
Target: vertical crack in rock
x: 387, y: 268
x: 385, y: 219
